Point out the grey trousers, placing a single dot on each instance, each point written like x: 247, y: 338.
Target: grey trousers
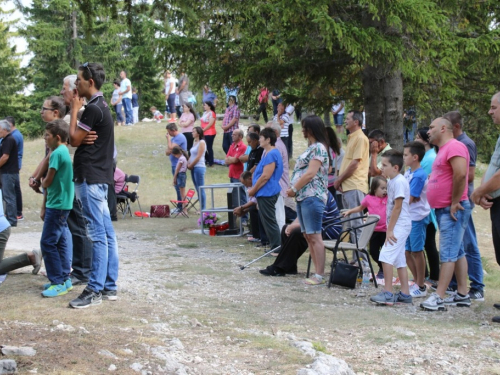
x: 12, y: 263
x: 352, y: 199
x: 267, y: 215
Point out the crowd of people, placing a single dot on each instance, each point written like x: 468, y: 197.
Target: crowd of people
x: 416, y: 192
x: 285, y: 214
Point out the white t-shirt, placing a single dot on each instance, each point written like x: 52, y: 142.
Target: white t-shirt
x: 335, y: 108
x: 123, y: 86
x: 167, y: 85
x: 289, y: 109
x: 398, y: 187
x: 284, y: 129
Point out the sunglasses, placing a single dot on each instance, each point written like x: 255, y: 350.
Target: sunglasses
x: 47, y: 109
x: 86, y: 65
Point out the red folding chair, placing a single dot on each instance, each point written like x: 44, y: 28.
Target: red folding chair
x: 188, y: 202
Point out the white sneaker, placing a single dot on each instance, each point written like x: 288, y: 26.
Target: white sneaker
x: 433, y: 303
x: 415, y: 291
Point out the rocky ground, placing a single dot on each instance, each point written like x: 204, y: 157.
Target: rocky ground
x: 185, y: 307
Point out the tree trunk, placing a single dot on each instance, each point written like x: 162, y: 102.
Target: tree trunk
x: 74, y: 39
x: 383, y: 94
x: 326, y: 117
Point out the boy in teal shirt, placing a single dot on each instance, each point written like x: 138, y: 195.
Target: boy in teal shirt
x: 56, y: 241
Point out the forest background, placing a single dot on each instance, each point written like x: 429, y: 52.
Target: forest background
x: 389, y: 57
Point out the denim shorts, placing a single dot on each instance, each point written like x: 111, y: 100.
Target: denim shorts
x: 181, y: 179
x: 416, y: 239
x: 310, y: 214
x: 451, y: 232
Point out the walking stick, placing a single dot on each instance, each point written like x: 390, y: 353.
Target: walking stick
x: 262, y: 256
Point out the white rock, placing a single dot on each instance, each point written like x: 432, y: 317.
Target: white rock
x: 144, y: 321
x: 305, y: 347
x: 136, y: 366
x: 64, y: 327
x: 327, y: 365
x: 107, y: 353
x: 112, y: 368
x: 198, y: 359
x: 176, y: 343
x: 8, y: 366
x: 14, y: 350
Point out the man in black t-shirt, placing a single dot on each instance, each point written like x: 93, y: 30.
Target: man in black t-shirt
x: 9, y: 169
x: 93, y: 172
x: 256, y: 153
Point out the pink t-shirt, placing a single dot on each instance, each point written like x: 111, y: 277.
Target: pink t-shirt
x: 440, y: 186
x: 377, y: 206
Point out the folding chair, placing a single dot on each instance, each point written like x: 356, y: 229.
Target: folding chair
x: 124, y: 198
x: 188, y: 201
x: 367, y: 229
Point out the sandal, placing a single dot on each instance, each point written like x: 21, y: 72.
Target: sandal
x: 315, y: 280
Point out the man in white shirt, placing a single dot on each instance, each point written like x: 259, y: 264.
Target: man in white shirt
x: 126, y: 93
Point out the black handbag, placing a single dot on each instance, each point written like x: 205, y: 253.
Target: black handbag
x: 344, y: 274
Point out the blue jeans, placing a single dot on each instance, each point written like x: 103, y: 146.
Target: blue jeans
x: 310, y: 214
x: 118, y: 111
x: 104, y: 272
x: 474, y: 263
x: 9, y: 181
x: 227, y: 140
x: 177, y: 190
x: 451, y: 232
x: 56, y: 245
x: 127, y: 107
x: 198, y: 175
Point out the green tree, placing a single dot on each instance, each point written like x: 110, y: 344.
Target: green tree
x: 11, y: 82
x: 58, y: 36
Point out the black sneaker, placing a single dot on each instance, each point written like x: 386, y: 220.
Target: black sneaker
x: 109, y: 295
x: 476, y: 295
x: 76, y: 281
x: 271, y: 271
x: 86, y: 299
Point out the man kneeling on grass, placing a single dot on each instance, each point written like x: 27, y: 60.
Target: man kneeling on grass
x: 398, y: 230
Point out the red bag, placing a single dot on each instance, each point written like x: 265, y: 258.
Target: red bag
x: 161, y: 210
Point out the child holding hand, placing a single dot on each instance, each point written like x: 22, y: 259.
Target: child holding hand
x: 376, y: 203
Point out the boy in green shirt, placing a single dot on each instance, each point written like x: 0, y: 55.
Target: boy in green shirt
x: 56, y: 241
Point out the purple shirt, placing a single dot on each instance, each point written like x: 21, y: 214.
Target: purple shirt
x: 285, y: 177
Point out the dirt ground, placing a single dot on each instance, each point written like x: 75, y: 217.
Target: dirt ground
x: 185, y: 307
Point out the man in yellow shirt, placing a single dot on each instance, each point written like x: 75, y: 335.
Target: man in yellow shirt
x: 353, y: 173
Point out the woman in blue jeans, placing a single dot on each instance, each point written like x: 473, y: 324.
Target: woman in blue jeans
x: 309, y: 186
x: 196, y: 163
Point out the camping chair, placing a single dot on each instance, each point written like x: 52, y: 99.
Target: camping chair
x: 367, y: 229
x: 126, y: 196
x: 188, y: 201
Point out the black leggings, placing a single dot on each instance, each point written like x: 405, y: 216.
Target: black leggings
x: 376, y: 243
x: 431, y: 252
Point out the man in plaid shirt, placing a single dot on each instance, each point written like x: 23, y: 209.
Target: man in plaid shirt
x: 230, y: 123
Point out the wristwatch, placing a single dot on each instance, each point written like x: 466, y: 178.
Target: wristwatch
x: 293, y: 189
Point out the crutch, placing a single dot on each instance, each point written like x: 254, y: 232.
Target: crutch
x: 262, y: 256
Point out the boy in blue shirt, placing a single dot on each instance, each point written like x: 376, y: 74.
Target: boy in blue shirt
x: 419, y: 212
x: 56, y: 241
